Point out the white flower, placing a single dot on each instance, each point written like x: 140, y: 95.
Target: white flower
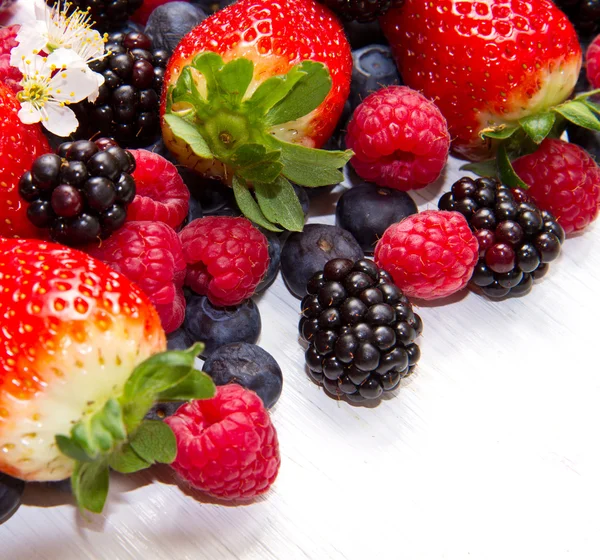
x: 59, y: 28
x: 50, y: 85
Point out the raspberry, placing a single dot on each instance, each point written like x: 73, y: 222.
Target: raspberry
x: 592, y: 63
x: 564, y: 180
x: 429, y: 255
x: 226, y: 446
x: 400, y: 139
x: 149, y: 254
x: 10, y: 75
x: 227, y: 258
x: 161, y: 194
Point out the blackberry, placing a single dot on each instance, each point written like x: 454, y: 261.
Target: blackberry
x: 517, y: 240
x: 106, y: 14
x: 127, y: 106
x: 360, y: 10
x: 584, y: 15
x: 360, y: 329
x: 80, y: 193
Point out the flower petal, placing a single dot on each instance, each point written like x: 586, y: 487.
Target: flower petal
x: 73, y: 84
x: 30, y: 42
x: 60, y: 120
x: 29, y: 114
x: 94, y: 95
x: 66, y: 58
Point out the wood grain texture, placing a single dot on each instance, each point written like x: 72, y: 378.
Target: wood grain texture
x: 490, y: 451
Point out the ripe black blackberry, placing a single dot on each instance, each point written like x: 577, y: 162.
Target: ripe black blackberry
x: 106, y: 14
x: 584, y: 14
x: 360, y: 329
x: 80, y: 193
x: 362, y: 11
x: 517, y: 240
x: 127, y: 105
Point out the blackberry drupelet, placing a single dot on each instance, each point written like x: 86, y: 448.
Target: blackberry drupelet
x: 80, y: 193
x: 584, y: 15
x: 517, y: 240
x: 360, y: 329
x: 107, y: 14
x: 360, y: 10
x: 128, y: 101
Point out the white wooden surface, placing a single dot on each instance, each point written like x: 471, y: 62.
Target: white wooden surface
x: 490, y: 451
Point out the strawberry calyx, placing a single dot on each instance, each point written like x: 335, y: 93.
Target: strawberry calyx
x: 210, y: 110
x: 525, y: 135
x: 117, y: 436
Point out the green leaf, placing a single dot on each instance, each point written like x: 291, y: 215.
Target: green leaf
x: 189, y: 134
x: 308, y: 93
x: 253, y: 163
x: 90, y: 485
x: 249, y: 206
x: 537, y: 127
x: 234, y: 79
x: 273, y: 90
x: 586, y: 94
x: 592, y: 106
x: 197, y: 385
x: 310, y: 167
x: 501, y: 132
x: 279, y: 203
x: 112, y: 419
x: 506, y: 172
x: 209, y: 65
x: 82, y: 437
x: 71, y: 449
x: 154, y: 442
x: 578, y: 113
x: 126, y: 460
x: 487, y: 168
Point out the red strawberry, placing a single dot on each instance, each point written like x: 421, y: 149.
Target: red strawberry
x: 279, y: 75
x: 73, y: 332
x: 20, y: 145
x: 485, y: 63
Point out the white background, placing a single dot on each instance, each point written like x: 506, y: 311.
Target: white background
x: 490, y: 451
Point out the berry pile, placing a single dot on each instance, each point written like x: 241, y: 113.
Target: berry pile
x: 360, y: 329
x: 127, y: 105
x: 81, y: 193
x: 516, y: 239
x: 107, y: 14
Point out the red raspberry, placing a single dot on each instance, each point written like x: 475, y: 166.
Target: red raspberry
x: 564, y: 180
x: 592, y: 63
x: 226, y: 446
x: 400, y: 139
x: 430, y: 255
x: 226, y: 257
x: 10, y: 75
x: 161, y: 194
x: 149, y: 254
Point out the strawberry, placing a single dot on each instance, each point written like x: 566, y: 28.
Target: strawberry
x: 487, y: 64
x: 249, y: 96
x: 20, y: 145
x: 81, y: 362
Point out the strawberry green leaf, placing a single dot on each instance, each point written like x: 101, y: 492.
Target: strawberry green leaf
x: 197, y: 385
x: 586, y: 94
x: 578, y: 113
x: 310, y: 167
x: 154, y: 442
x: 112, y: 419
x: 125, y: 460
x: 253, y: 163
x: 501, y: 132
x: 506, y: 172
x: 592, y: 106
x: 487, y: 168
x: 209, y: 65
x: 234, y: 79
x: 189, y: 134
x: 279, y: 203
x: 185, y: 88
x: 71, y: 449
x: 538, y: 126
x: 308, y: 93
x: 249, y: 206
x: 90, y: 485
x: 273, y: 90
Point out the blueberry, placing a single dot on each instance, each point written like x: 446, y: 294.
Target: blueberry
x: 366, y: 211
x: 160, y: 411
x: 169, y: 22
x: 362, y: 34
x: 274, y: 259
x: 178, y: 340
x: 307, y: 252
x: 373, y: 68
x: 194, y: 211
x: 589, y: 140
x: 11, y: 490
x: 213, y: 195
x: 217, y: 326
x: 247, y: 365
x: 303, y: 198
